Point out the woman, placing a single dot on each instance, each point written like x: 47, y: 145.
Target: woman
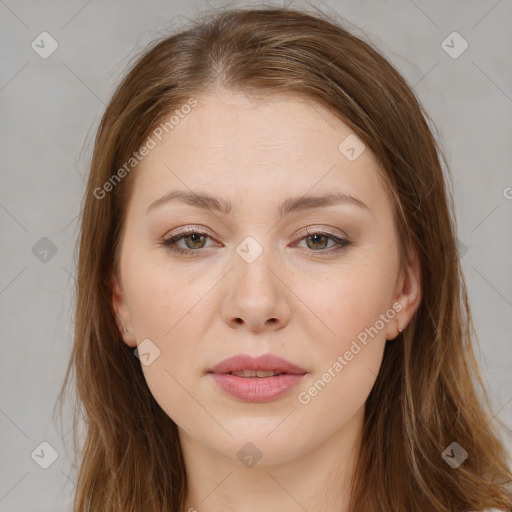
x: 270, y: 307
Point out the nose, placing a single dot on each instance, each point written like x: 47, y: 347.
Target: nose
x: 256, y: 297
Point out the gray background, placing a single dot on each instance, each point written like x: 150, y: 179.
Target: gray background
x: 50, y: 109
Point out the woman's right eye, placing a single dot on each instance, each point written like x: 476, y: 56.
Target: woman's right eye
x: 194, y: 240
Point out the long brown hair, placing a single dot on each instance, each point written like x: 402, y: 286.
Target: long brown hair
x: 426, y: 394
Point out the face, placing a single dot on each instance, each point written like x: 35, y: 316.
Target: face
x: 315, y: 283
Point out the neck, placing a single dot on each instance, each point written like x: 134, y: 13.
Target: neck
x: 317, y: 479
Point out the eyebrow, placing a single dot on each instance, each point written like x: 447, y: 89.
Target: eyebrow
x: 293, y: 204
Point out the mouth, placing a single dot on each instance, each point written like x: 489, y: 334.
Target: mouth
x: 256, y: 380
x: 267, y: 365
x: 249, y: 374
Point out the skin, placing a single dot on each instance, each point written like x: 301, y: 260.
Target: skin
x: 200, y: 310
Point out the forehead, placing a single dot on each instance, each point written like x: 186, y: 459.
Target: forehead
x: 266, y: 149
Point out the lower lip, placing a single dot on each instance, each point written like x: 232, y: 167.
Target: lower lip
x: 256, y: 389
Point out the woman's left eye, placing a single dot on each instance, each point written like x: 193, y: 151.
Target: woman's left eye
x: 316, y: 241
x: 319, y: 240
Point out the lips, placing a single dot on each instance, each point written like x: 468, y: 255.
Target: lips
x: 264, y: 363
x: 256, y: 379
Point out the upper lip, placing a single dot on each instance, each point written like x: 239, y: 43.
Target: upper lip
x: 266, y: 362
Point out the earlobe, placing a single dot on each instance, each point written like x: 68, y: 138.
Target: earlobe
x: 412, y: 283
x: 120, y: 309
x: 408, y: 294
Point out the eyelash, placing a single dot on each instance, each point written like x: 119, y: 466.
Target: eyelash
x: 170, y: 242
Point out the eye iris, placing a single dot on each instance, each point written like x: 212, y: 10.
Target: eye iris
x: 315, y: 239
x: 194, y: 236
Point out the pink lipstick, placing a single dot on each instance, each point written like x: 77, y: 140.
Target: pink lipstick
x: 256, y: 379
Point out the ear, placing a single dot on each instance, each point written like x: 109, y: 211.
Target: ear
x: 122, y: 314
x: 407, y: 297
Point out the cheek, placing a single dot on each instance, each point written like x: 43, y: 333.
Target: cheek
x: 170, y: 309
x: 355, y: 310
x: 162, y: 296
x: 348, y: 362
x: 350, y: 302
